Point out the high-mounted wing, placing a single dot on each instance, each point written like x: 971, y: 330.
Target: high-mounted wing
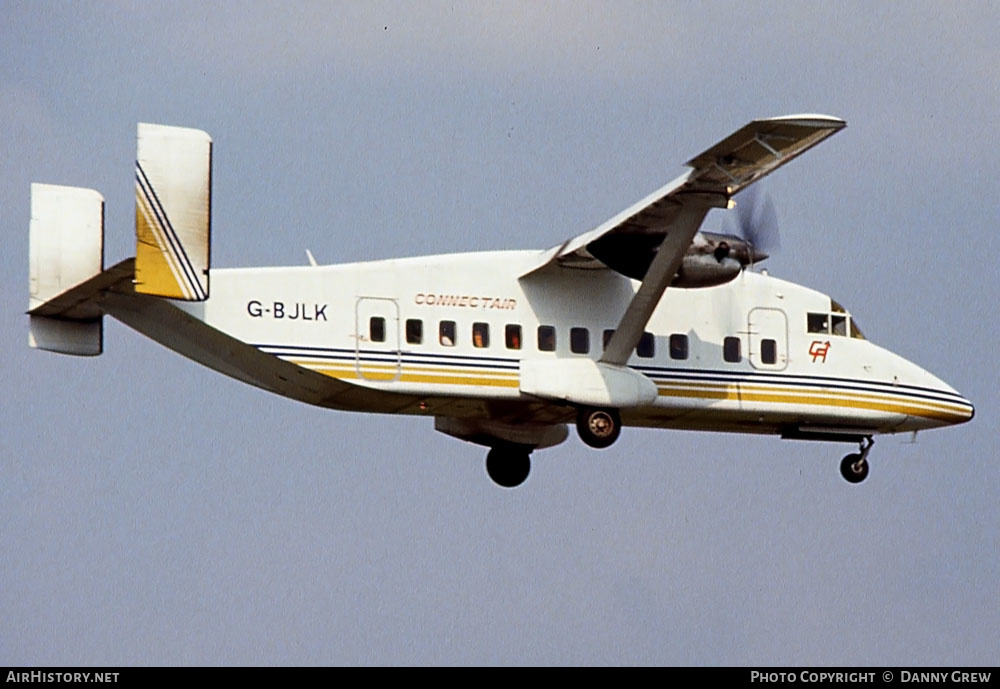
x: 650, y: 238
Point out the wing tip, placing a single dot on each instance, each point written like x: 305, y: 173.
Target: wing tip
x: 809, y: 119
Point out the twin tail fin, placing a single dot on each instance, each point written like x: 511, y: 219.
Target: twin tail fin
x: 173, y: 210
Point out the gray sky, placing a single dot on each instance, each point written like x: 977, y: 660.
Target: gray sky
x: 155, y: 512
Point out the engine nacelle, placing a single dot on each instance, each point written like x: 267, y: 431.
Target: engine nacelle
x: 712, y: 259
x: 715, y: 259
x: 704, y: 270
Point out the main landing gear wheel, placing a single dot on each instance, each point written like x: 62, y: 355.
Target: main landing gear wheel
x: 854, y: 467
x: 598, y: 427
x: 508, y: 466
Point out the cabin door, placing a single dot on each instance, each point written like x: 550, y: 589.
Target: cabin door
x: 376, y: 329
x: 768, y: 338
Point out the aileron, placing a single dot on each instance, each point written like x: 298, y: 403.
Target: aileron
x: 759, y: 148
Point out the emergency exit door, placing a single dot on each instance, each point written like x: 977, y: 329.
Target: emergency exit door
x: 376, y: 329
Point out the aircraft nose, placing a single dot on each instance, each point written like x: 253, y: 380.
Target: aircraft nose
x: 956, y: 407
x: 963, y: 408
x: 971, y: 408
x: 934, y: 400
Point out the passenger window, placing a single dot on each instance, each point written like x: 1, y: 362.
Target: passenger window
x: 480, y: 335
x: 579, y: 340
x: 446, y: 333
x: 546, y: 338
x: 414, y: 331
x: 376, y: 329
x: 678, y: 346
x: 647, y: 346
x: 768, y: 352
x: 839, y: 324
x: 512, y: 336
x: 817, y: 323
x: 731, y: 349
x: 608, y: 334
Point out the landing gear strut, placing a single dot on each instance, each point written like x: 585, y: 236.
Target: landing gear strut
x: 508, y: 465
x: 598, y: 427
x: 854, y: 467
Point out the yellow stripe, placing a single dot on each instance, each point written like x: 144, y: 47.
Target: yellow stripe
x: 745, y: 389
x: 506, y: 379
x: 822, y: 401
x: 320, y: 363
x: 156, y: 269
x: 717, y: 391
x: 416, y: 378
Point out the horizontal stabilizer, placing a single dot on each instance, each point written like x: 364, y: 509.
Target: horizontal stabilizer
x: 173, y: 208
x: 81, y: 338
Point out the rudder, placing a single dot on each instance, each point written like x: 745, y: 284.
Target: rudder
x: 65, y: 249
x: 173, y: 210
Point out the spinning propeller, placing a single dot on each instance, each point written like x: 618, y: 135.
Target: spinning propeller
x: 756, y: 229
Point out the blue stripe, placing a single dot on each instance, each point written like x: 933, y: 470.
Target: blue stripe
x: 375, y: 356
x: 757, y: 380
x: 368, y: 356
x: 164, y: 222
x: 792, y: 379
x: 185, y: 263
x: 714, y: 375
x: 505, y: 360
x: 154, y: 203
x: 186, y: 266
x: 817, y: 388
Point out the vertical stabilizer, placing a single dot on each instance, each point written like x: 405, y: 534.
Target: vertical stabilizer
x: 173, y: 209
x: 65, y: 249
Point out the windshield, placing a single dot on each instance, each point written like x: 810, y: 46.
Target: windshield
x: 837, y: 321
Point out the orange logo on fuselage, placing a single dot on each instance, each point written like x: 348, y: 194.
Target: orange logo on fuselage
x: 818, y: 350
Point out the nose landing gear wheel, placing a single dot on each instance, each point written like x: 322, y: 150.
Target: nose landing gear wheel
x: 598, y: 427
x: 508, y: 466
x: 854, y: 467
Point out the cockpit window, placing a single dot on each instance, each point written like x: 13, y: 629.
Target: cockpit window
x: 856, y: 331
x: 852, y: 325
x: 838, y: 325
x: 838, y: 322
x: 818, y: 322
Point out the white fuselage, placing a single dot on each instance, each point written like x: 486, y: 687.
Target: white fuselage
x: 358, y: 323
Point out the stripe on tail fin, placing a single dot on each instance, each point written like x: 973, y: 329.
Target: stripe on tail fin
x: 173, y: 209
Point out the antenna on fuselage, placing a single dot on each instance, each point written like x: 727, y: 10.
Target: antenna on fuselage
x: 312, y: 261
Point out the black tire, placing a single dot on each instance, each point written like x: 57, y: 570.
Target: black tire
x: 598, y: 428
x: 508, y: 467
x: 853, y: 468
